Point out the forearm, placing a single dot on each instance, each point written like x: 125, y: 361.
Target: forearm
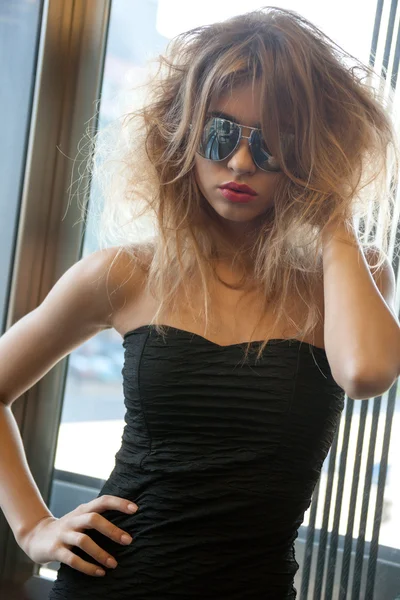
x: 20, y: 499
x: 362, y: 336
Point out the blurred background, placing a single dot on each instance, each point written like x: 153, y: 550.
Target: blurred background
x: 60, y: 61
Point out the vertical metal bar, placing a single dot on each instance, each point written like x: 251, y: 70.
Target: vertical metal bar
x: 389, y: 38
x: 348, y: 541
x: 324, y: 529
x: 358, y: 565
x: 373, y: 552
x: 333, y: 544
x: 396, y: 257
x: 308, y: 551
x: 375, y: 35
x: 396, y: 60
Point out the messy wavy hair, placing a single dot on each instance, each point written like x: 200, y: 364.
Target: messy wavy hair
x: 342, y: 162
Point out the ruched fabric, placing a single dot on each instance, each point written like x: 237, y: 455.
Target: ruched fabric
x: 222, y: 457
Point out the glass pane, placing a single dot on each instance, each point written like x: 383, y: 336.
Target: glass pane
x: 19, y: 39
x: 93, y: 409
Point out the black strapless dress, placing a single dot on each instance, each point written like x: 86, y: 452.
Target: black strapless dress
x: 222, y: 458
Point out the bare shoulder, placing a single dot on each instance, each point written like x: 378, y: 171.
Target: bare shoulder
x: 80, y: 305
x: 117, y: 277
x: 127, y: 272
x: 93, y: 287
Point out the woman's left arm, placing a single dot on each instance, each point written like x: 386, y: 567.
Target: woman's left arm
x: 361, y: 332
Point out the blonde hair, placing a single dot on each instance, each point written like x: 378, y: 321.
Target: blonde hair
x: 342, y: 162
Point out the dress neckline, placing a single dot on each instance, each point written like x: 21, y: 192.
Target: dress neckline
x: 291, y: 341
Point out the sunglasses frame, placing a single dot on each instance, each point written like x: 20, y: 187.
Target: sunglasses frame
x: 241, y: 136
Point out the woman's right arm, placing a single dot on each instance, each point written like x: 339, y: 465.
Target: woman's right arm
x: 76, y: 308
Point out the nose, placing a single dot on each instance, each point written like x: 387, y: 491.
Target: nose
x: 241, y: 161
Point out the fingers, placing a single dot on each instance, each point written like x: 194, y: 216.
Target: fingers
x: 107, y: 502
x: 83, y: 541
x: 96, y: 521
x: 87, y: 516
x: 69, y: 558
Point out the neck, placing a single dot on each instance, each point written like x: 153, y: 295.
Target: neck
x: 233, y: 240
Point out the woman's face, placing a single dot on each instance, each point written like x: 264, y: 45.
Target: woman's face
x: 244, y: 106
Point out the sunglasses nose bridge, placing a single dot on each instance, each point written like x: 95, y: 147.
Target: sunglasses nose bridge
x: 241, y: 157
x: 244, y: 129
x: 250, y: 139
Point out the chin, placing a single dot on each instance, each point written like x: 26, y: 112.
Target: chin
x: 239, y: 213
x: 238, y: 219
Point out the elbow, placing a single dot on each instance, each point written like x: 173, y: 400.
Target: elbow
x: 369, y: 384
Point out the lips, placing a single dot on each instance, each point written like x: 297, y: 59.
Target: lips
x: 239, y: 187
x: 234, y: 196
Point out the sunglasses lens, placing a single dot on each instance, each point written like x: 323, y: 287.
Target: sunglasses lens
x: 261, y: 155
x: 219, y: 139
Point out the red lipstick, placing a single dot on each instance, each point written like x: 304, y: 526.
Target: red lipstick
x: 237, y: 192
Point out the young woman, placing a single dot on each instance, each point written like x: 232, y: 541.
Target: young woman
x: 246, y: 318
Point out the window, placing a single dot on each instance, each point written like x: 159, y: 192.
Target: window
x: 355, y: 505
x: 348, y: 546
